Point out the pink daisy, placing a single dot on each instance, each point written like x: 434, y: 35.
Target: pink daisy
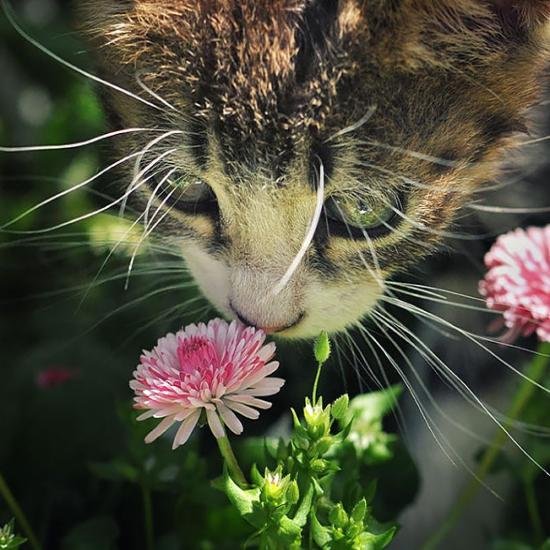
x: 518, y: 281
x: 218, y: 369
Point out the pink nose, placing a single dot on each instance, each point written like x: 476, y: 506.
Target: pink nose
x: 268, y: 330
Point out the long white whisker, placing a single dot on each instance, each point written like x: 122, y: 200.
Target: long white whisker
x: 95, y: 212
x: 430, y: 424
x: 349, y: 129
x: 470, y: 336
x: 67, y: 191
x: 309, y: 235
x: 147, y: 231
x: 137, y: 164
x: 153, y: 195
x: 76, y: 145
x: 146, y: 88
x: 508, y: 210
x: 8, y: 10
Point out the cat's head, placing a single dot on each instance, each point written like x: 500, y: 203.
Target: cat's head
x: 403, y: 105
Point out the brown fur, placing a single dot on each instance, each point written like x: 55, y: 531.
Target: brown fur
x: 267, y: 82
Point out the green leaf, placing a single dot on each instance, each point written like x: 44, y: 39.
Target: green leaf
x: 300, y: 518
x: 340, y: 407
x: 244, y: 500
x: 289, y: 529
x: 373, y: 406
x: 100, y: 532
x: 359, y: 511
x: 321, y: 535
x: 370, y: 541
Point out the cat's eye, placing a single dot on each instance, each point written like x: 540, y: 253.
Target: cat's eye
x: 191, y: 195
x: 355, y: 217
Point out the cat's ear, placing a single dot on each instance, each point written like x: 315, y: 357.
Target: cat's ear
x: 522, y: 14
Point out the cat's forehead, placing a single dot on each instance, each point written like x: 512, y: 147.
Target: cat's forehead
x: 272, y: 79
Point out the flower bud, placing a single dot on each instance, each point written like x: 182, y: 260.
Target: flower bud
x: 317, y: 419
x: 319, y: 465
x: 322, y: 347
x: 275, y: 485
x: 338, y: 516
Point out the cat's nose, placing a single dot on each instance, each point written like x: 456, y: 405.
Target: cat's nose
x: 267, y: 329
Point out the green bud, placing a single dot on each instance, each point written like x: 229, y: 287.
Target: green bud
x: 340, y: 407
x: 338, y: 516
x: 317, y: 419
x: 319, y: 465
x: 324, y: 444
x: 321, y: 347
x: 292, y: 492
x: 359, y: 511
x: 8, y: 539
x: 275, y: 485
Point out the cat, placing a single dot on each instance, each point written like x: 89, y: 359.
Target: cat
x: 305, y: 151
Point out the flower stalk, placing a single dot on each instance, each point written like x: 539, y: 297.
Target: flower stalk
x: 231, y: 461
x: 18, y: 513
x: 148, y: 516
x: 527, y: 389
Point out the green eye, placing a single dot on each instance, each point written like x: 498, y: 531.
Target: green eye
x: 364, y: 215
x: 192, y: 191
x: 189, y: 194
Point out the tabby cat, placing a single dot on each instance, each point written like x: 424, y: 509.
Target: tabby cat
x: 304, y: 151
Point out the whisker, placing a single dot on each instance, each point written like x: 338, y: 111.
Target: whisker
x: 10, y: 14
x: 309, y: 235
x: 95, y: 212
x: 349, y: 129
x: 146, y: 88
x: 67, y: 191
x: 470, y: 336
x: 508, y: 210
x: 77, y: 144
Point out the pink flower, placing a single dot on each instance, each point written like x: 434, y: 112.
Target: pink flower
x: 53, y: 377
x: 518, y: 281
x: 217, y: 370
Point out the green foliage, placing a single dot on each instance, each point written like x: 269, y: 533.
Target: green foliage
x: 100, y: 532
x: 308, y: 496
x: 8, y: 539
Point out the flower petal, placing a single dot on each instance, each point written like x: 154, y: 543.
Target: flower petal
x: 215, y: 424
x: 230, y: 419
x: 186, y: 428
x: 255, y: 377
x: 159, y: 430
x: 249, y: 400
x: 244, y: 410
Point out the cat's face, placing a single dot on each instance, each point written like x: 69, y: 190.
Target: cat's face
x: 403, y: 105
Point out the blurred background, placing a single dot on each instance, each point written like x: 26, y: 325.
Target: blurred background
x: 71, y: 334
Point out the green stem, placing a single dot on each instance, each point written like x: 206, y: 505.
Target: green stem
x: 316, y: 383
x: 18, y: 513
x: 527, y: 388
x: 148, y: 516
x: 534, y: 513
x: 231, y: 461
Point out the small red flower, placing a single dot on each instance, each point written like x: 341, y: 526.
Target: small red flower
x: 518, y: 281
x: 53, y: 377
